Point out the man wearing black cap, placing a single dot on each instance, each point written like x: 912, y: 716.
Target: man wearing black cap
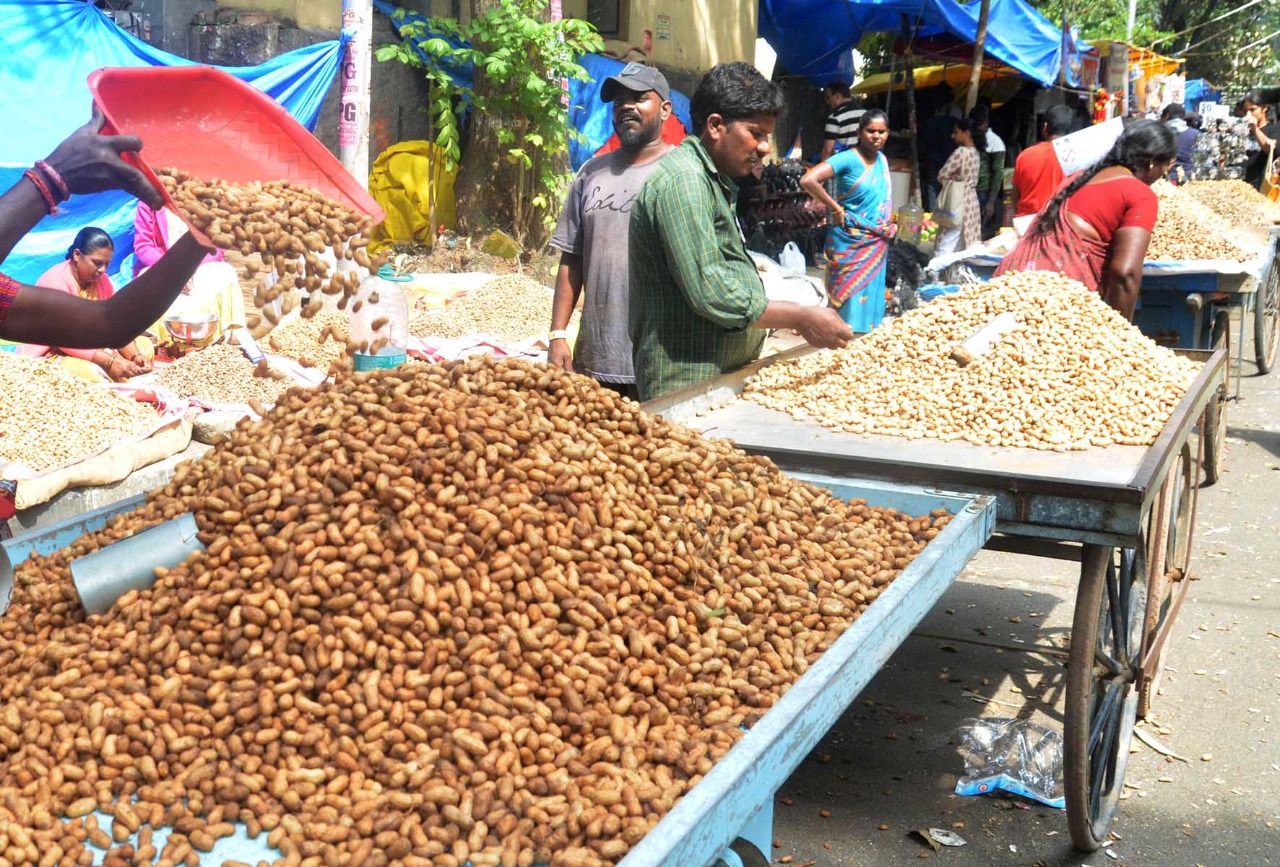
x: 592, y: 232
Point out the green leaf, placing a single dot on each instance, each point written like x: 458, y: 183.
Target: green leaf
x: 717, y: 612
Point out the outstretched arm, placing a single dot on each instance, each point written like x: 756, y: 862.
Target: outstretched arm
x: 88, y: 163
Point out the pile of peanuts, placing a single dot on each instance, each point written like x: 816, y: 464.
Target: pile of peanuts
x: 484, y: 612
x: 318, y: 341
x: 290, y: 226
x: 1073, y: 374
x: 511, y: 308
x: 222, y: 374
x: 49, y: 417
x: 1236, y: 202
x: 1186, y: 230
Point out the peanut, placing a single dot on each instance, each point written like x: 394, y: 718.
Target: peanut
x: 1073, y: 374
x: 482, y: 612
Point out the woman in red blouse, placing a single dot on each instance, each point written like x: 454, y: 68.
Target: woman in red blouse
x: 1097, y: 226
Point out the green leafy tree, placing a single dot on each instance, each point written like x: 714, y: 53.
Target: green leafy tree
x: 514, y: 167
x: 1238, y: 51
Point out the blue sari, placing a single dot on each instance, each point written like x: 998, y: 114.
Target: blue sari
x: 858, y: 251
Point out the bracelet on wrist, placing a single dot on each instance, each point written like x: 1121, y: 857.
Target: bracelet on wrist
x: 54, y: 178
x: 45, y: 192
x: 558, y: 334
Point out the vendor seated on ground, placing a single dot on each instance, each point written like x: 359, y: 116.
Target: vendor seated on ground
x: 213, y: 290
x: 1098, y: 225
x: 84, y: 273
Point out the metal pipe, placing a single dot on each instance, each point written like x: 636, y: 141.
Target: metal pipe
x: 353, y: 113
x: 1195, y: 303
x: 107, y: 574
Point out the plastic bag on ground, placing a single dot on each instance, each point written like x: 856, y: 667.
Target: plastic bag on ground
x: 1014, y: 755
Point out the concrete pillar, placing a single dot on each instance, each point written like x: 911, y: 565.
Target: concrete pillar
x: 353, y: 117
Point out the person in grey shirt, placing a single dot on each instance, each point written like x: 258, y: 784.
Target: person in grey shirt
x: 592, y: 233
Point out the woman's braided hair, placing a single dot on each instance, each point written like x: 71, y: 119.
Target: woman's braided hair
x: 1143, y: 143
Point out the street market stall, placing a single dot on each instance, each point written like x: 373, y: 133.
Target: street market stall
x: 1125, y: 512
x: 503, y: 316
x: 58, y: 431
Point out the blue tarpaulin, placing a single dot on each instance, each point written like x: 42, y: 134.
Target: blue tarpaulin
x: 49, y: 47
x: 814, y: 38
x: 592, y: 118
x: 1197, y: 91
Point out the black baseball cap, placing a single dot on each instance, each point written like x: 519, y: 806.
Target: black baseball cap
x: 637, y: 78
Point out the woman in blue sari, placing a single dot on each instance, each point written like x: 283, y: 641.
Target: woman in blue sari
x: 861, y: 224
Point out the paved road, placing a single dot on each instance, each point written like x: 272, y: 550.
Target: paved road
x: 890, y: 765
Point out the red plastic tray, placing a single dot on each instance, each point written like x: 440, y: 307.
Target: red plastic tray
x: 212, y: 124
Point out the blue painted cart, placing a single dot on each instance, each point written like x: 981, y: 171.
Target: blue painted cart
x: 727, y: 818
x: 1126, y: 513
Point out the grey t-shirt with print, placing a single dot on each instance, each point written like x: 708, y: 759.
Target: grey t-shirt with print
x: 593, y: 225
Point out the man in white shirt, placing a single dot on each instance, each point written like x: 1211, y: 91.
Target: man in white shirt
x: 990, y: 171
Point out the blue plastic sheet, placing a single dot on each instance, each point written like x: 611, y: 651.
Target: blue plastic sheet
x: 49, y: 47
x: 814, y: 38
x: 592, y: 118
x: 1197, y: 91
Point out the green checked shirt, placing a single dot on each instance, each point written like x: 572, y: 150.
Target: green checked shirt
x: 694, y: 290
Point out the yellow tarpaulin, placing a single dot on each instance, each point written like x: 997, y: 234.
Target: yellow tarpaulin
x: 400, y: 181
x: 1145, y: 59
x: 929, y: 76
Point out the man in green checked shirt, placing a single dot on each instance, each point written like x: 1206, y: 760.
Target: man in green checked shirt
x: 698, y: 308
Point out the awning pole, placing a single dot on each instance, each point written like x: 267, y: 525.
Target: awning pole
x: 979, y: 49
x: 913, y: 127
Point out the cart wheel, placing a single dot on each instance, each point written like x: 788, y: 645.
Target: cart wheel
x: 1168, y: 559
x: 1102, y: 676
x: 1215, y: 414
x: 747, y: 853
x: 1266, y: 319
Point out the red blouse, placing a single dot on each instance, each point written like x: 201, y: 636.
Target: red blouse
x: 1112, y: 205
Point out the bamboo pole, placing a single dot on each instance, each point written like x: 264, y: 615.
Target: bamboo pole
x: 913, y: 125
x: 979, y: 50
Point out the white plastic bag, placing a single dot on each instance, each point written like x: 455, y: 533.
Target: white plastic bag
x: 781, y: 284
x: 792, y: 259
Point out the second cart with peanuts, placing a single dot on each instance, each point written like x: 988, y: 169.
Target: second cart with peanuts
x: 1125, y: 513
